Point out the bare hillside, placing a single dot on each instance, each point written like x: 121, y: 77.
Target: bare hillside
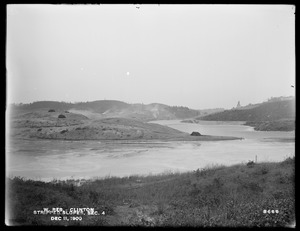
x: 71, y: 126
x: 267, y: 111
x: 113, y: 108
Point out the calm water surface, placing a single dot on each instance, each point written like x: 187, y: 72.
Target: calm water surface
x: 49, y: 159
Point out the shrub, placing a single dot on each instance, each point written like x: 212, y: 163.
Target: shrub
x: 254, y: 187
x: 264, y: 170
x: 288, y: 161
x: 250, y: 164
x: 198, y: 173
x: 195, y: 134
x: 160, y: 208
x: 51, y: 110
x: 62, y: 116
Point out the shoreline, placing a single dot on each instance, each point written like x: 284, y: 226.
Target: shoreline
x: 183, y: 138
x: 79, y: 179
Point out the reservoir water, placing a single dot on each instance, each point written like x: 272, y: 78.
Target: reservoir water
x: 52, y: 159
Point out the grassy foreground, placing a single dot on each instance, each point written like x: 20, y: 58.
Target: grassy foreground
x: 215, y: 196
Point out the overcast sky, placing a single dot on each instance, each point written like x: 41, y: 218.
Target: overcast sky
x: 199, y: 56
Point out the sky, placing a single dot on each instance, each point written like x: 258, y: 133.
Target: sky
x: 198, y: 56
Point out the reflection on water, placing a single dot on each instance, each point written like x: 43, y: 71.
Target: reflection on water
x: 47, y: 160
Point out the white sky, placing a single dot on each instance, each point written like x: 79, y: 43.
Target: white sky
x: 199, y: 56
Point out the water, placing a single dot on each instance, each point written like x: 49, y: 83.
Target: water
x: 51, y: 159
x: 223, y: 128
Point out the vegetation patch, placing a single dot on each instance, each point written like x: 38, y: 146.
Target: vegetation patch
x: 267, y: 111
x: 195, y: 134
x: 235, y: 196
x: 278, y: 125
x: 63, y: 131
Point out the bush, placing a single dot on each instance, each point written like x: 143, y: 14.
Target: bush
x: 195, y: 134
x: 250, y: 164
x: 288, y: 161
x: 62, y: 116
x: 51, y: 110
x: 264, y: 170
x: 160, y: 208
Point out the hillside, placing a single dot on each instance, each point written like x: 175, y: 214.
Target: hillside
x: 235, y: 196
x: 112, y: 108
x: 277, y: 125
x: 204, y: 112
x: 281, y: 113
x: 267, y: 111
x: 66, y: 125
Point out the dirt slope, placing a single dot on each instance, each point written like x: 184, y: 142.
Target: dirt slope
x: 47, y: 125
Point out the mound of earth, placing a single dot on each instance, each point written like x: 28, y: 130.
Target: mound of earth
x: 46, y: 125
x: 195, y: 134
x: 111, y: 129
x: 67, y: 125
x: 40, y: 119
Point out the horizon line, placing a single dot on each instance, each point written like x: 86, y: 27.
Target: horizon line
x: 76, y: 102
